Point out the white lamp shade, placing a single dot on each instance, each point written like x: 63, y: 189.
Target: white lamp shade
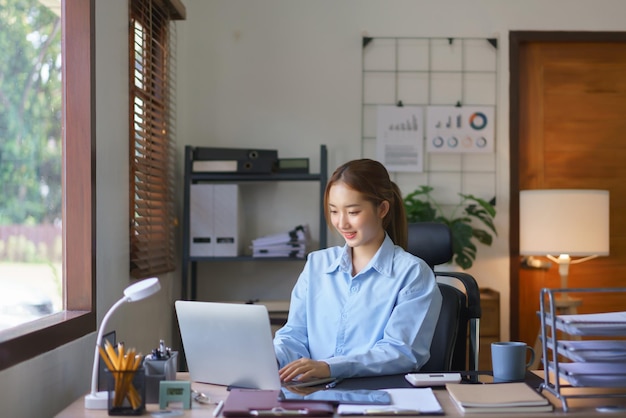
x: 142, y: 289
x: 562, y: 221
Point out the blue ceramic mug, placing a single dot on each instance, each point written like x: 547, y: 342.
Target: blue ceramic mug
x: 508, y: 359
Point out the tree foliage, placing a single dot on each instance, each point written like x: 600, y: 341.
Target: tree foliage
x: 30, y: 113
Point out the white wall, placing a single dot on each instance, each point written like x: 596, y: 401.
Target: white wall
x: 281, y: 74
x: 286, y: 75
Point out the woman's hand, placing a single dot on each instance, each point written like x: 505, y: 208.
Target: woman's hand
x: 304, y: 369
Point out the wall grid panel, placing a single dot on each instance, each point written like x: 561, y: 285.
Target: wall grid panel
x: 432, y: 71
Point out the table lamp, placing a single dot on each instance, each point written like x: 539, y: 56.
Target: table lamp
x: 564, y: 222
x: 136, y: 291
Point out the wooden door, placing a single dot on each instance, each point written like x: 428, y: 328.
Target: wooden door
x: 568, y: 130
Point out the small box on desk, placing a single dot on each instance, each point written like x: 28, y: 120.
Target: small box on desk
x: 157, y: 370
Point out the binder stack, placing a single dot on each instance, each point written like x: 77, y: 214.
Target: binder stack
x: 290, y: 244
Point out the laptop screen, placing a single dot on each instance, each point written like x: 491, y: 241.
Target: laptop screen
x: 228, y: 344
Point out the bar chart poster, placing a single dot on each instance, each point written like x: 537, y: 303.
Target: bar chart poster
x: 467, y: 129
x: 400, y: 138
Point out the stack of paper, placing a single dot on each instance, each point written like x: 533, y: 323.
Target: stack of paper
x: 497, y: 397
x: 290, y: 244
x: 593, y: 374
x: 608, y: 323
x: 592, y: 350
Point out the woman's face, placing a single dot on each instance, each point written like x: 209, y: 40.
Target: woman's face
x: 356, y: 219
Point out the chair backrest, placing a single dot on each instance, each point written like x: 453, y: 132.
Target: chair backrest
x: 447, y: 331
x: 460, y: 309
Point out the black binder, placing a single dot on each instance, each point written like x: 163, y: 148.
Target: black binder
x: 234, y: 160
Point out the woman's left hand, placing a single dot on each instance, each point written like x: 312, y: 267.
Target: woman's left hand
x: 304, y: 369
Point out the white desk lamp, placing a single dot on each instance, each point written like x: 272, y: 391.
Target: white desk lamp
x: 567, y: 222
x: 133, y: 293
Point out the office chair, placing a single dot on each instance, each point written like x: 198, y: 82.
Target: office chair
x: 432, y: 242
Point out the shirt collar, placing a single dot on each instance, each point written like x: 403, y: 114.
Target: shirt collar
x: 382, y: 261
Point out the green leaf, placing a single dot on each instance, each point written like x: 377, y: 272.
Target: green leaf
x: 483, y: 215
x: 483, y: 236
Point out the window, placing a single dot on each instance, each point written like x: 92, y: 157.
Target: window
x: 77, y: 316
x: 152, y: 146
x: 30, y: 163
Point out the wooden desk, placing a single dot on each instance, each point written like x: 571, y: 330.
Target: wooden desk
x: 578, y: 407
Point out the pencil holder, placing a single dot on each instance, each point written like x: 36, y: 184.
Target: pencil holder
x: 127, y: 392
x: 156, y: 371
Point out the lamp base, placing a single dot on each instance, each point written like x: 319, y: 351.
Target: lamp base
x: 97, y: 400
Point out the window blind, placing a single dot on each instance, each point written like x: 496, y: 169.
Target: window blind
x: 152, y: 144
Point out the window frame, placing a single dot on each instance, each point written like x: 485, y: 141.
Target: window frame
x: 78, y: 317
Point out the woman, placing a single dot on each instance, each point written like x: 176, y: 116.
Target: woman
x: 366, y: 308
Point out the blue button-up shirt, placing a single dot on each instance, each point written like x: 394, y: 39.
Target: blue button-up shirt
x: 380, y: 321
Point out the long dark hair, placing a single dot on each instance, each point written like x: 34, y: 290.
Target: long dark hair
x: 371, y: 179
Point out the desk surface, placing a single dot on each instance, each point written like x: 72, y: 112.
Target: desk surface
x: 583, y: 407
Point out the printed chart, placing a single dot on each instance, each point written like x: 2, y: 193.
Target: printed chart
x: 400, y: 138
x: 460, y: 129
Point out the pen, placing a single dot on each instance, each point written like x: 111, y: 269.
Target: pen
x: 333, y: 383
x: 278, y: 411
x: 218, y: 408
x: 391, y: 411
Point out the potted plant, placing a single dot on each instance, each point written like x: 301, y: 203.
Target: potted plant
x: 421, y: 207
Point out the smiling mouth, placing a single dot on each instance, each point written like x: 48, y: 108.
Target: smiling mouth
x: 349, y: 235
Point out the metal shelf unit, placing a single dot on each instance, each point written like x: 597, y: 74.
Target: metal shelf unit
x: 189, y: 263
x: 555, y: 358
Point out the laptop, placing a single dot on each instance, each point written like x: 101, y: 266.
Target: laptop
x: 228, y: 344
x: 231, y: 344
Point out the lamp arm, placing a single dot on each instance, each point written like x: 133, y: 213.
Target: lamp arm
x: 564, y: 261
x: 553, y: 258
x: 580, y: 260
x: 94, y: 374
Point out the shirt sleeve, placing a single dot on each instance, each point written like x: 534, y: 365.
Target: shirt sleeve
x: 291, y: 341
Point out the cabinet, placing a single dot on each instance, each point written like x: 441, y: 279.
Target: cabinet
x: 586, y: 350
x: 193, y: 178
x: 489, y: 326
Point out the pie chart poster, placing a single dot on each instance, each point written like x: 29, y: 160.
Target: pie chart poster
x: 467, y: 129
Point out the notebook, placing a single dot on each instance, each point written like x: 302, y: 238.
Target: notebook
x: 254, y: 403
x: 497, y: 397
x: 231, y: 344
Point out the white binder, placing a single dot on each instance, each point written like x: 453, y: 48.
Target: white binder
x: 226, y: 220
x: 214, y: 220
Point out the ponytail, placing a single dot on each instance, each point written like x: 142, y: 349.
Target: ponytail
x: 397, y: 227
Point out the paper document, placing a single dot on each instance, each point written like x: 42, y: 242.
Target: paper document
x: 609, y: 323
x: 404, y: 401
x: 593, y: 374
x: 592, y: 350
x: 597, y: 318
x: 400, y: 138
x: 290, y: 244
